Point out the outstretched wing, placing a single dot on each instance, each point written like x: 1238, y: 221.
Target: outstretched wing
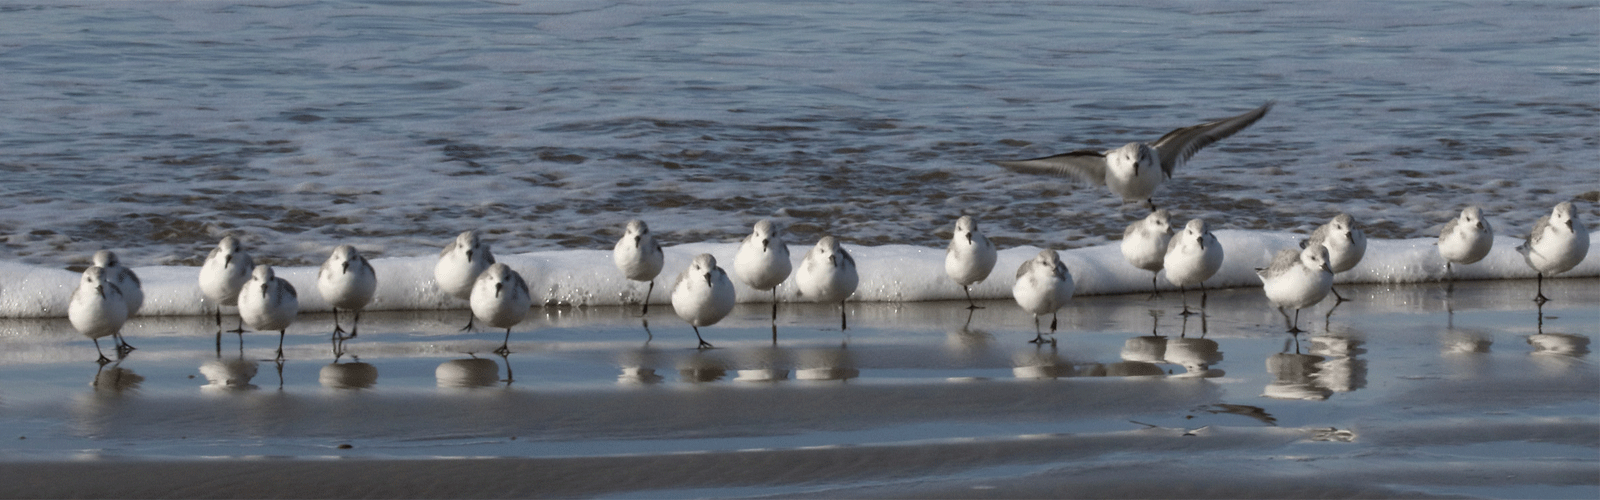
x: 1179, y: 145
x: 1085, y: 166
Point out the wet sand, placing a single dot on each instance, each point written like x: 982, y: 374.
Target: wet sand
x: 1407, y: 391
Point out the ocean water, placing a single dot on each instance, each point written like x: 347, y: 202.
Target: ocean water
x: 156, y: 128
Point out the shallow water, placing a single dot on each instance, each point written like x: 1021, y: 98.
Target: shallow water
x: 155, y: 128
x: 915, y: 397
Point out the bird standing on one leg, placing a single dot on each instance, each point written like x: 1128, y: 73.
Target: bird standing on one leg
x: 763, y: 260
x: 639, y: 257
x: 703, y: 295
x: 1345, y: 242
x: 1559, y: 242
x: 828, y: 274
x: 970, y: 257
x: 1297, y: 279
x: 1144, y: 244
x: 460, y: 263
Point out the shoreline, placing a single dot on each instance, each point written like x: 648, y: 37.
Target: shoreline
x: 1386, y: 396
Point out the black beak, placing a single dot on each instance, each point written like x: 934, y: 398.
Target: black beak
x: 497, y: 287
x: 227, y: 261
x: 969, y: 238
x: 637, y: 239
x: 708, y: 279
x: 347, y: 267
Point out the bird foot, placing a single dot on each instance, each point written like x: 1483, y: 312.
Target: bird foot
x: 705, y: 345
x: 1540, y: 299
x: 103, y: 360
x: 1187, y: 312
x: 503, y: 350
x: 975, y: 306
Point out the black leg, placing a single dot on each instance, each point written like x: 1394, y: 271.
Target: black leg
x: 123, y: 347
x: 103, y: 359
x: 337, y: 330
x: 505, y: 347
x: 280, y: 343
x: 1038, y: 337
x: 1296, y: 327
x: 469, y: 327
x: 970, y: 303
x: 1338, y: 298
x: 703, y: 343
x: 240, y: 329
x: 646, y: 309
x: 774, y: 305
x: 1539, y: 298
x: 356, y: 325
x: 843, y: 325
x: 1184, y: 292
x: 1155, y: 293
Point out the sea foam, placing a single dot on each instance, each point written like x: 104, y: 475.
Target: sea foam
x: 889, y: 273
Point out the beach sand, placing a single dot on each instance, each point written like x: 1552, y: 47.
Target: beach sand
x: 1406, y: 391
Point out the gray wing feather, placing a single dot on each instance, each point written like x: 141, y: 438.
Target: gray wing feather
x: 1281, y: 263
x: 1538, y: 231
x: 1086, y: 166
x: 1179, y: 145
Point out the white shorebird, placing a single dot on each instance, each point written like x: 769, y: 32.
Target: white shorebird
x: 459, y: 265
x: 98, y: 309
x: 124, y: 278
x: 639, y: 257
x: 127, y: 282
x: 348, y: 282
x: 1559, y: 242
x: 224, y: 272
x: 763, y: 260
x: 1043, y: 286
x: 1135, y: 170
x: 970, y: 257
x: 1144, y: 244
x: 828, y: 274
x: 1297, y: 279
x: 1191, y: 258
x: 268, y: 303
x: 703, y: 295
x: 1465, y: 239
x: 500, y: 297
x: 1345, y: 242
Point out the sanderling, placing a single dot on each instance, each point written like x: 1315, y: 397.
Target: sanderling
x: 1131, y: 170
x: 501, y: 298
x: 639, y: 257
x: 347, y: 282
x: 1191, y: 259
x: 1144, y: 244
x: 268, y: 303
x: 970, y: 257
x: 98, y: 309
x: 226, y: 269
x: 1346, y: 245
x: 124, y: 278
x: 1043, y: 286
x: 459, y: 265
x: 763, y: 260
x: 828, y: 274
x: 1297, y: 279
x: 1559, y: 242
x: 1465, y: 239
x: 702, y: 295
x: 126, y: 281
